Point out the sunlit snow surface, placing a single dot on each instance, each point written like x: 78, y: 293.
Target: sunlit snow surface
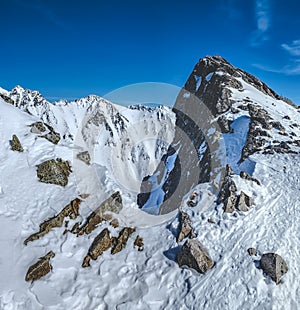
x: 235, y: 142
x: 150, y: 279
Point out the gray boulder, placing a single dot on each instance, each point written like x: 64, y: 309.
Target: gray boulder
x: 274, y: 266
x: 194, y: 255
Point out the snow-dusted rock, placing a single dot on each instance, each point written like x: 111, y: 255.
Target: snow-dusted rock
x: 194, y: 255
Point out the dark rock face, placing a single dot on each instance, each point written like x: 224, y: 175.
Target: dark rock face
x: 246, y: 176
x: 208, y: 88
x: 194, y: 255
x: 274, y: 266
x: 40, y: 268
x: 252, y: 251
x: 229, y: 197
x: 100, y: 244
x: 7, y: 99
x: 16, y: 144
x: 54, y: 171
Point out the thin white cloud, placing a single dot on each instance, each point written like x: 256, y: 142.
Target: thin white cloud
x: 263, y: 22
x: 44, y: 10
x: 292, y: 69
x: 293, y: 49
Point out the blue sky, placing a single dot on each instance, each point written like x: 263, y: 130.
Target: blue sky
x: 69, y: 49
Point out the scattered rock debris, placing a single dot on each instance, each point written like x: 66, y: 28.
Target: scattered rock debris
x: 15, y: 144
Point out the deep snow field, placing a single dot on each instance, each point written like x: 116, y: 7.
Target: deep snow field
x: 150, y: 279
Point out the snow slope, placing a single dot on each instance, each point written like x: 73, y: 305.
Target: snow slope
x: 150, y: 279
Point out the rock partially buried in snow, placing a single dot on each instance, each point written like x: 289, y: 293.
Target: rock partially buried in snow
x: 71, y: 210
x: 85, y: 157
x: 120, y: 243
x: 252, y: 251
x: 37, y: 127
x: 139, y: 243
x: 185, y: 227
x: 16, y: 144
x: 54, y: 171
x: 274, y: 266
x: 40, y: 268
x: 100, y: 244
x: 111, y: 204
x: 194, y: 255
x: 244, y: 202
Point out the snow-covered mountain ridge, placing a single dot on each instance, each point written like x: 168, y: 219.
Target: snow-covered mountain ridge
x: 259, y: 132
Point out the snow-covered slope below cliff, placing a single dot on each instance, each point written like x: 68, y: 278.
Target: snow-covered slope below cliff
x: 130, y: 143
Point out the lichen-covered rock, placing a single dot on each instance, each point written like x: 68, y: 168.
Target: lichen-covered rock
x: 119, y: 243
x: 71, y: 211
x: 274, y: 266
x: 112, y: 204
x: 37, y: 127
x: 15, y: 144
x: 185, y: 227
x: 85, y: 157
x: 194, y: 255
x: 40, y: 268
x: 139, y: 243
x: 100, y: 244
x: 54, y: 171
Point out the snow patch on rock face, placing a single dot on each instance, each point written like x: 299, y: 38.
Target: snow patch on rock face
x: 234, y: 142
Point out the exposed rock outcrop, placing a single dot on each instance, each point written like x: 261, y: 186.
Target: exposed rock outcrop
x: 185, y: 227
x: 112, y: 204
x: 194, y: 255
x: 119, y: 243
x: 244, y: 202
x: 40, y: 268
x: 274, y: 266
x: 54, y: 171
x: 139, y: 243
x: 244, y: 175
x: 71, y: 211
x: 15, y: 144
x: 228, y: 194
x: 100, y: 244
